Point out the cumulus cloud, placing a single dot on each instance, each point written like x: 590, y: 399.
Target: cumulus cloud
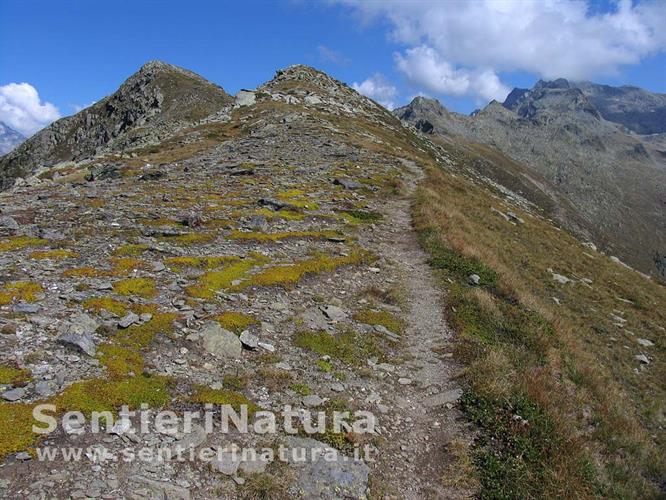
x: 460, y: 46
x: 377, y: 87
x: 426, y: 69
x: 22, y: 109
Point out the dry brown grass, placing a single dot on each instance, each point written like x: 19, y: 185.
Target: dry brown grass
x: 597, y: 415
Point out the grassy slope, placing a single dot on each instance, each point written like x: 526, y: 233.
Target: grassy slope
x: 564, y: 407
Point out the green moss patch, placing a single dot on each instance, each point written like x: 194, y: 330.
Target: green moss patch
x: 214, y: 281
x: 113, y: 306
x: 13, y: 376
x: 25, y: 291
x: 201, y: 262
x: 131, y: 249
x: 188, y: 239
x: 289, y: 274
x: 356, y: 216
x: 348, y: 346
x: 259, y: 236
x: 235, y: 321
x: 20, y: 242
x: 140, y: 287
x: 383, y: 318
x: 57, y: 254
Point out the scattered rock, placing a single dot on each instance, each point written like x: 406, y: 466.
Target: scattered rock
x: 312, y: 400
x: 324, y: 473
x: 474, y: 279
x: 249, y: 340
x: 128, y: 320
x: 14, y: 394
x: 334, y: 313
x: 643, y: 359
x: 226, y: 462
x: 347, y: 183
x: 81, y: 341
x: 220, y: 342
x: 8, y: 223
x: 245, y: 98
x: 26, y: 308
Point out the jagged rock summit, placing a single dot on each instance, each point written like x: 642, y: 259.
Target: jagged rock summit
x: 146, y: 107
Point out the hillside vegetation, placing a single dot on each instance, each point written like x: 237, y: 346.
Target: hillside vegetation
x: 563, y: 348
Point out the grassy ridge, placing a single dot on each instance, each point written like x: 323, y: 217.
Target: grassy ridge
x: 552, y: 380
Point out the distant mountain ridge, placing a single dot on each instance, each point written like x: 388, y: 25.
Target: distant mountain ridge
x: 582, y: 142
x: 147, y: 105
x: 636, y: 109
x: 9, y: 138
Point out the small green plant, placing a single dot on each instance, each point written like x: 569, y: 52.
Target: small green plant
x: 301, y: 388
x: 140, y: 287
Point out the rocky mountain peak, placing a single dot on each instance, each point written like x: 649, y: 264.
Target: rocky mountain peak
x: 158, y: 94
x: 548, y: 97
x: 300, y: 79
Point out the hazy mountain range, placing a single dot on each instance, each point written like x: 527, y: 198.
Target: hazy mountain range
x: 579, y: 150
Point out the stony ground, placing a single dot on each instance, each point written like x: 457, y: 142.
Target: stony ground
x: 276, y: 265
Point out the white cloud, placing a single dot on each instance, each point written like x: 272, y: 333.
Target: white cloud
x: 460, y: 46
x: 378, y: 88
x: 327, y: 54
x: 424, y: 68
x: 22, y: 110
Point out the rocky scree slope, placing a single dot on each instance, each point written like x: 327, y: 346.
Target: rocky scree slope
x: 595, y: 176
x: 145, y: 108
x: 250, y: 257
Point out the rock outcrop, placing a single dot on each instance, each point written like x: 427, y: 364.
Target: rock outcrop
x: 146, y: 107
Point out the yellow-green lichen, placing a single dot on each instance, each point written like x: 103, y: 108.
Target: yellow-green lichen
x: 20, y: 242
x: 347, y: 346
x: 290, y: 215
x: 383, y: 318
x: 297, y: 198
x: 13, y: 376
x: 259, y: 236
x: 120, y: 361
x: 289, y: 274
x: 125, y: 265
x: 140, y: 287
x: 131, y: 249
x: 57, y: 254
x: 301, y: 388
x: 211, y: 282
x: 16, y: 435
x: 140, y: 336
x: 187, y: 239
x: 113, y: 306
x: 107, y: 394
x: 235, y: 321
x: 203, y: 262
x: 25, y: 291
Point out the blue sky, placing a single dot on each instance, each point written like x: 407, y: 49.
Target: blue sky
x: 75, y: 52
